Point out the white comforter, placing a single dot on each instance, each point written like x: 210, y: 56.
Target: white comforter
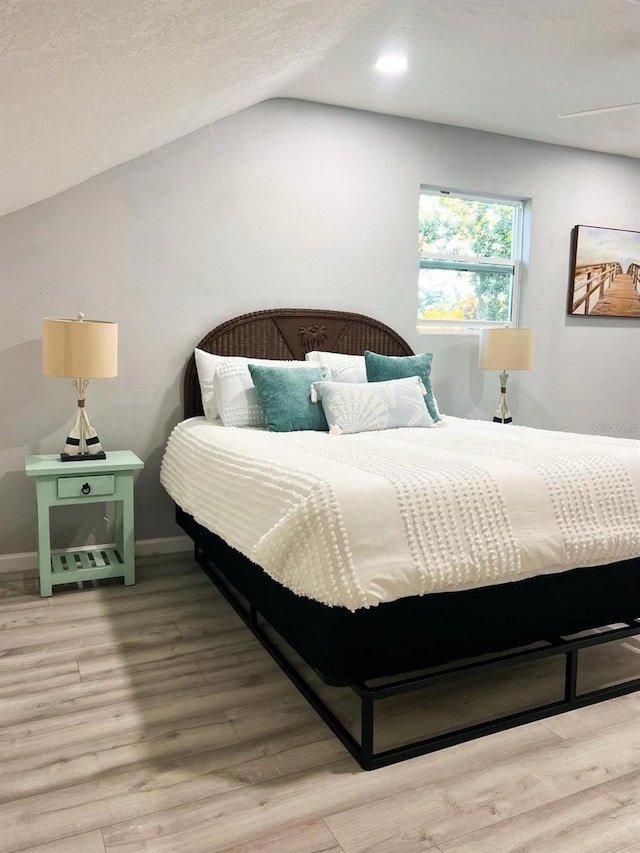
x: 355, y: 520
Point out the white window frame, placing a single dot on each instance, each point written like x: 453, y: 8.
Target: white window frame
x: 438, y: 260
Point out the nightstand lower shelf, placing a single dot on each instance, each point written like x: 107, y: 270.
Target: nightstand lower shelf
x: 84, y: 565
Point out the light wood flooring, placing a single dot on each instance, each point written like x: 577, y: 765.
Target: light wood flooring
x: 149, y: 719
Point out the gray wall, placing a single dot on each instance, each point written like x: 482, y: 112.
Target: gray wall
x: 290, y: 204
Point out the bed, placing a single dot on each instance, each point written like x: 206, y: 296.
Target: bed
x: 403, y: 642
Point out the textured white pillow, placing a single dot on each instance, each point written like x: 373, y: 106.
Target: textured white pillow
x: 341, y: 367
x: 235, y: 394
x: 208, y: 364
x: 362, y: 406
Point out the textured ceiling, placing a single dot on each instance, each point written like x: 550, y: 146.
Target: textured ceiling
x: 506, y: 66
x: 88, y: 84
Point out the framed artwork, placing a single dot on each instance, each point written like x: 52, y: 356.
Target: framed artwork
x: 605, y: 272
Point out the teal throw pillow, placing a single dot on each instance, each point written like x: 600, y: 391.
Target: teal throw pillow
x: 284, y: 395
x: 383, y: 367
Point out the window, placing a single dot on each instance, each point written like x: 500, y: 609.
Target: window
x: 470, y: 250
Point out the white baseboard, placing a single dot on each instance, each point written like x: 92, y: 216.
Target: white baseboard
x: 28, y: 560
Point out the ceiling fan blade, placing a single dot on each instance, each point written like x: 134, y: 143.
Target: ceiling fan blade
x: 611, y: 109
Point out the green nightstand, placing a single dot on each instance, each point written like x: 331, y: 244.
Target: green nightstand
x: 64, y: 483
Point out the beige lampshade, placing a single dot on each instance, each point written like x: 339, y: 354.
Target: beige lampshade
x: 79, y: 349
x: 506, y: 349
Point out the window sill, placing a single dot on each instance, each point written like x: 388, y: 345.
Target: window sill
x: 443, y: 330
x: 435, y: 329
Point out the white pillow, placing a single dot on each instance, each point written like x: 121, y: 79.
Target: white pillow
x: 341, y: 367
x: 236, y: 397
x: 344, y: 368
x: 207, y: 365
x: 362, y: 406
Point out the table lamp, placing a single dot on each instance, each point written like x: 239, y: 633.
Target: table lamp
x: 80, y: 350
x: 505, y: 349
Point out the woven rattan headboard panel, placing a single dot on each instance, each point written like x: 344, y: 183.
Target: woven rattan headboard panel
x: 290, y: 333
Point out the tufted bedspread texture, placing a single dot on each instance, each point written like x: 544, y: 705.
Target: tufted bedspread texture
x: 356, y: 520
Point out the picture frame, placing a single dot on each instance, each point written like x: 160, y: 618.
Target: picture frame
x: 604, y: 277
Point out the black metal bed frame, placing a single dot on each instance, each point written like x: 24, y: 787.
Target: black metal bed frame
x: 364, y: 753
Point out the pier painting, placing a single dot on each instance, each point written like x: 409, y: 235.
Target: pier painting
x: 605, y: 272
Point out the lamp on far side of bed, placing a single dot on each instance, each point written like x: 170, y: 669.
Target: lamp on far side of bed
x: 505, y: 349
x: 80, y: 350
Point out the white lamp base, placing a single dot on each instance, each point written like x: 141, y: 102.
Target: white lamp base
x: 83, y: 443
x: 503, y: 415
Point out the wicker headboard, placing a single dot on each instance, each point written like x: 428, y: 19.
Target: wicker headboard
x: 290, y: 333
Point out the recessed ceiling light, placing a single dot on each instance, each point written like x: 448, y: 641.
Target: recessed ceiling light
x: 391, y: 63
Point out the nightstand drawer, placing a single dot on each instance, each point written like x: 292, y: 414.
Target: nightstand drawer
x: 73, y: 487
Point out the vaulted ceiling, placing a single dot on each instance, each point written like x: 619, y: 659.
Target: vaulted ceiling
x: 88, y: 84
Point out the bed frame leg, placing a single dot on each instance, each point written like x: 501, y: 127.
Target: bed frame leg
x: 366, y: 731
x: 571, y: 676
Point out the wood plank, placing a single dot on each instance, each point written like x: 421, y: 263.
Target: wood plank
x: 100, y: 661
x: 95, y: 795
x: 88, y: 842
x: 204, y: 826
x: 296, y: 799
x: 114, y: 747
x: 25, y: 738
x: 207, y: 624
x: 273, y: 715
x: 577, y: 724
x: 56, y: 651
x: 20, y: 589
x: 492, y: 793
x: 312, y: 838
x: 89, y: 695
x: 64, y: 608
x: 611, y: 663
x: 21, y: 683
x: 55, y: 815
x: 83, y: 629
x: 31, y: 612
x: 243, y: 662
x: 156, y: 750
x: 403, y: 822
x: 601, y: 819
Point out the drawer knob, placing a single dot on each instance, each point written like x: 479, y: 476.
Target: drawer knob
x: 86, y: 488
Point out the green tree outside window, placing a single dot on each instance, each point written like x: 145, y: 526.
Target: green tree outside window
x: 467, y: 259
